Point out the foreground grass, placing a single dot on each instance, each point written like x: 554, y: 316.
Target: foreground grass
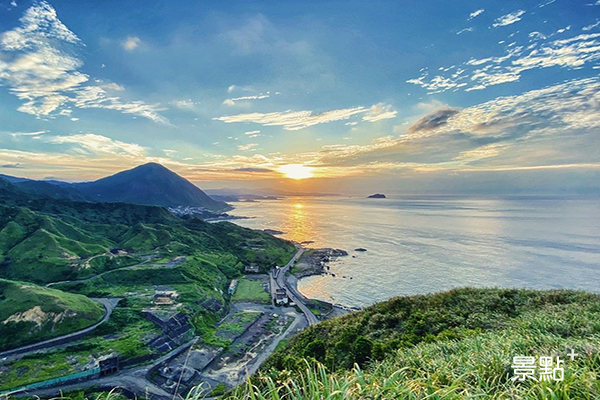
x: 470, y: 356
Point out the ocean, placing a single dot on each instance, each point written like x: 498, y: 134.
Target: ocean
x: 429, y: 244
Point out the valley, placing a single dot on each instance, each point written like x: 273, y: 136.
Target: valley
x: 116, y: 286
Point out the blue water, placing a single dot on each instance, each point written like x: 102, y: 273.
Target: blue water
x: 422, y: 245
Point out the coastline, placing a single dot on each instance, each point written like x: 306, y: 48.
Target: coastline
x: 316, y: 262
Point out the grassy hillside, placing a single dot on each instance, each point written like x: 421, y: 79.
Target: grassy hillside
x: 46, y: 240
x: 448, y: 345
x: 30, y: 313
x: 118, y: 250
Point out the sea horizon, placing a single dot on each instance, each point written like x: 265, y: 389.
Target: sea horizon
x: 430, y: 243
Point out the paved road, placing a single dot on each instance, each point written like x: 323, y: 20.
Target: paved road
x: 109, y: 305
x: 133, y: 380
x: 282, y: 282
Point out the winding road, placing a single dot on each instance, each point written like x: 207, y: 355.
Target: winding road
x: 291, y: 292
x: 109, y: 305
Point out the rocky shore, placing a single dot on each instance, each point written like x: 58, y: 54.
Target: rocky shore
x: 316, y: 261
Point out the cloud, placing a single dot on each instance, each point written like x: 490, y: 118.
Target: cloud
x: 253, y: 169
x: 379, y: 112
x: 537, y: 128
x: 297, y: 120
x: 252, y: 134
x: 508, y: 19
x: 476, y: 13
x: 234, y: 88
x: 231, y: 102
x: 14, y: 166
x: 554, y: 128
x: 537, y: 36
x: 469, y: 29
x: 36, y: 133
x: 294, y: 120
x: 187, y: 105
x: 96, y: 97
x: 478, y: 74
x: 90, y: 143
x: 131, y: 43
x: 434, y: 120
x: 38, y: 64
x: 113, y: 86
x: 247, y: 147
x: 591, y: 26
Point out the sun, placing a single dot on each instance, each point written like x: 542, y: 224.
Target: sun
x: 296, y: 171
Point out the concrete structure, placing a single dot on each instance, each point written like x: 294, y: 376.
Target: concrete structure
x: 252, y: 269
x: 165, y: 296
x: 109, y: 364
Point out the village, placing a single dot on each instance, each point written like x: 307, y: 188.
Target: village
x: 263, y: 310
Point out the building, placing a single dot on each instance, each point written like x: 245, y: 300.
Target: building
x: 165, y: 296
x: 281, y: 297
x: 252, y: 269
x: 109, y: 364
x: 232, y: 287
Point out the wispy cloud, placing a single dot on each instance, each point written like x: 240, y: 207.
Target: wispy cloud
x: 90, y: 143
x: 294, y: 120
x: 476, y: 13
x: 546, y: 3
x: 433, y: 120
x: 36, y: 133
x: 469, y: 29
x: 591, y: 26
x: 252, y: 134
x: 131, y: 43
x: 297, y: 120
x: 380, y: 111
x: 232, y: 101
x: 12, y: 166
x: 508, y: 19
x: 253, y: 169
x: 247, y: 147
x: 38, y: 64
x: 477, y: 74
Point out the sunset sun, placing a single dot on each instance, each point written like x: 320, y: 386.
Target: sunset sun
x: 296, y: 171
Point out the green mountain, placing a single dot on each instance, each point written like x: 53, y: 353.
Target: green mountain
x: 46, y: 240
x: 148, y: 184
x: 108, y: 250
x: 30, y: 313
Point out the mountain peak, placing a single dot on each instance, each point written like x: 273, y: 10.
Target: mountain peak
x: 152, y: 165
x: 150, y: 184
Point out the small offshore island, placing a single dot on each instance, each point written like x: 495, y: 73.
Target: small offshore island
x: 377, y: 196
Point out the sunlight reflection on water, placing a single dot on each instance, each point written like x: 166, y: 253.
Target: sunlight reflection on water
x: 432, y: 244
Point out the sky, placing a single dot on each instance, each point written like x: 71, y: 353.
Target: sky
x: 317, y: 96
